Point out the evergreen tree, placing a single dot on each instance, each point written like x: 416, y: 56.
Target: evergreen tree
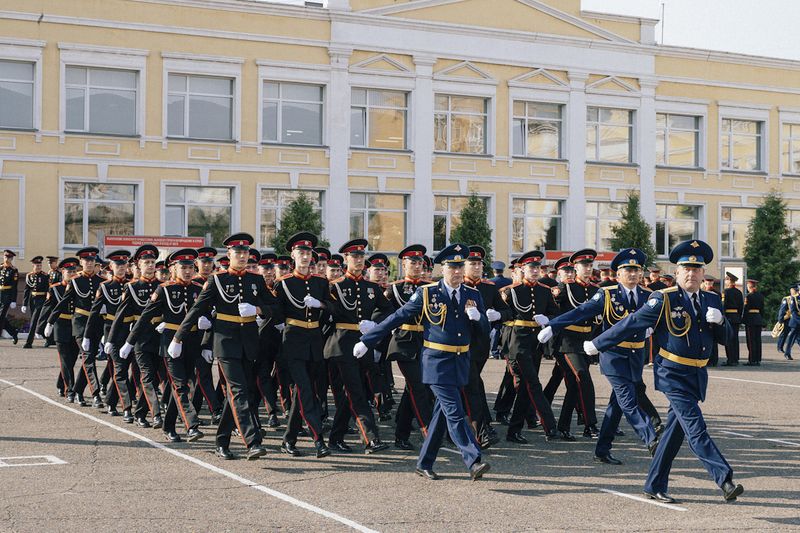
x: 632, y: 231
x: 299, y: 215
x: 771, y: 251
x: 473, y: 227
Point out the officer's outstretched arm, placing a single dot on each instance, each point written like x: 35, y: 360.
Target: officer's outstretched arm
x: 412, y: 309
x: 588, y: 309
x: 646, y: 317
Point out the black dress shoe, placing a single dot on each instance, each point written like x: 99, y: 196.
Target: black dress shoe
x: 60, y: 393
x: 591, y: 432
x: 82, y: 401
x: 70, y: 397
x: 662, y: 497
x: 194, y: 434
x: 112, y: 411
x: 223, y: 453
x: 725, y: 363
x: 16, y: 340
x: 256, y: 451
x: 551, y: 435
x: 202, y: 423
x: 731, y: 491
x: 532, y: 423
x: 516, y: 437
x: 375, y: 446
x: 302, y: 432
x: 127, y: 417
x: 619, y: 433
x: 427, y: 474
x: 488, y: 441
x: 403, y: 444
x: 142, y: 422
x: 659, y: 429
x: 502, y: 418
x: 607, y: 459
x: 272, y: 421
x: 157, y: 422
x: 477, y: 470
x: 566, y: 435
x: 172, y: 436
x: 215, y: 418
x: 322, y: 450
x: 97, y: 402
x: 384, y: 417
x: 340, y: 446
x: 27, y: 346
x: 788, y: 356
x: 290, y: 449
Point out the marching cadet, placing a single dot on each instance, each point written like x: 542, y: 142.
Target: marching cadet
x: 497, y: 312
x: 686, y: 321
x: 753, y: 322
x: 447, y: 311
x: 405, y: 348
x: 54, y: 276
x: 170, y: 303
x: 733, y: 301
x: 378, y: 375
x: 356, y: 305
x: 323, y: 255
x: 9, y: 277
x: 162, y: 271
x: 283, y: 266
x: 204, y: 379
x: 269, y: 339
x: 98, y: 325
x: 786, y: 338
x: 427, y: 269
x: 565, y: 273
x: 621, y: 364
x: 238, y: 297
x: 656, y: 284
x: 36, y: 285
x: 531, y: 306
x: 61, y: 329
x: 333, y: 271
x: 80, y: 292
x: 302, y: 298
x: 146, y: 349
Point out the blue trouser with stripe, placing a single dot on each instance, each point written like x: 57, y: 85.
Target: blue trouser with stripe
x: 623, y: 401
x: 448, y: 415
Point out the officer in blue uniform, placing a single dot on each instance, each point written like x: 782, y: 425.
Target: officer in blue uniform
x: 623, y: 363
x: 686, y: 322
x: 449, y: 312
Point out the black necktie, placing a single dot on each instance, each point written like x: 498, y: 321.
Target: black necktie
x: 631, y: 301
x: 696, y: 304
x: 453, y: 297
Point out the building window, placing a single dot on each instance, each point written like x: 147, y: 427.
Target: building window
x: 200, y: 107
x: 272, y: 202
x: 195, y: 211
x: 459, y: 124
x: 609, y: 135
x: 677, y: 140
x: 790, y: 148
x: 446, y: 216
x: 793, y: 221
x: 674, y: 224
x: 741, y: 144
x: 378, y: 119
x: 16, y: 94
x: 537, y: 130
x: 101, y: 100
x: 600, y: 217
x: 95, y: 209
x: 379, y: 218
x: 535, y: 225
x: 292, y: 113
x: 733, y: 230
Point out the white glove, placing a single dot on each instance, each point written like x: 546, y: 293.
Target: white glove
x: 174, y: 349
x: 24, y: 309
x: 103, y: 310
x: 365, y: 326
x: 207, y: 355
x: 48, y: 330
x: 545, y: 335
x: 492, y: 315
x: 376, y: 356
x: 13, y: 305
x: 203, y: 323
x: 161, y: 327
x: 107, y: 347
x: 473, y: 313
x: 280, y: 327
x: 103, y: 341
x: 311, y: 302
x: 126, y: 350
x: 260, y: 321
x: 648, y: 332
x: 714, y: 315
x: 542, y: 320
x: 246, y: 309
x: 588, y: 347
x: 85, y: 344
x: 359, y: 350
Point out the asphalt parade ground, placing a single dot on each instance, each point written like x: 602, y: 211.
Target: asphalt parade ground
x: 70, y: 468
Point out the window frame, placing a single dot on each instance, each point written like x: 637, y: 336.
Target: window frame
x: 26, y: 51
x: 721, y: 224
x: 367, y: 106
x: 632, y: 138
x: 789, y: 120
x: 488, y: 141
x: 269, y: 186
x: 263, y: 99
x: 366, y: 211
x: 759, y: 136
x: 750, y: 112
x: 86, y: 88
x: 487, y: 198
x: 698, y: 220
x: 235, y: 200
x: 562, y: 107
x: 667, y: 130
x: 560, y: 237
x: 598, y: 219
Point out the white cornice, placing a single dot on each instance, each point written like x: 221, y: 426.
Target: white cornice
x: 201, y: 57
x: 78, y: 47
x: 725, y: 57
x: 248, y: 6
x: 35, y: 43
x: 619, y: 18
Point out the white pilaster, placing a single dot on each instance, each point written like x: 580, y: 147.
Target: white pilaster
x: 574, y: 216
x: 420, y: 215
x: 646, y: 151
x: 337, y: 212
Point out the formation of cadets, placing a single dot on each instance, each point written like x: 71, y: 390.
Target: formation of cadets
x: 285, y: 330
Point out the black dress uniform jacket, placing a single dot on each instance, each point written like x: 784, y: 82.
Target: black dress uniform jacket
x: 104, y: 309
x: 80, y: 292
x: 733, y: 301
x: 9, y: 277
x: 302, y: 334
x: 754, y: 309
x: 62, y: 325
x: 572, y: 295
x: 36, y: 286
x: 134, y: 299
x: 171, y: 302
x: 479, y: 347
x: 406, y: 341
x: 525, y: 300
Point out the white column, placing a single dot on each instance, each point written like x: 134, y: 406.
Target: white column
x: 337, y: 212
x: 420, y: 215
x: 574, y: 215
x: 646, y: 150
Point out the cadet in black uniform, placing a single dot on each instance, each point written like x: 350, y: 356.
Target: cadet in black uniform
x: 9, y: 277
x: 36, y: 285
x: 753, y: 322
x: 61, y: 329
x: 204, y: 379
x: 54, y: 276
x: 733, y: 300
x: 238, y: 296
x: 269, y: 344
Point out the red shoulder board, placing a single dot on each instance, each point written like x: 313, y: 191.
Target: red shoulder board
x: 487, y: 282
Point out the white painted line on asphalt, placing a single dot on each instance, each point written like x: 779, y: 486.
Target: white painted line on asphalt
x: 736, y: 434
x: 758, y: 382
x: 230, y: 475
x: 7, y: 462
x: 780, y: 441
x: 645, y: 500
x: 777, y: 441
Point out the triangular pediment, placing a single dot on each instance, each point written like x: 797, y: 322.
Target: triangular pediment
x: 463, y: 71
x: 541, y: 78
x: 612, y: 84
x: 380, y: 63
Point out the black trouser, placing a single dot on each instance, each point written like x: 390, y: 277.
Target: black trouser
x: 581, y: 397
x: 148, y: 363
x: 646, y: 405
x: 373, y: 384
x: 204, y: 387
x: 506, y: 394
x: 571, y: 383
x: 354, y: 402
x: 238, y: 374
x: 180, y: 372
x: 89, y: 374
x: 304, y: 403
x: 319, y: 380
x: 122, y: 387
x: 474, y: 395
x: 732, y: 347
x: 283, y: 381
x: 36, y: 313
x: 416, y: 401
x: 68, y: 356
x: 4, y: 323
x: 266, y: 390
x: 753, y: 336
x: 556, y: 377
x: 529, y: 395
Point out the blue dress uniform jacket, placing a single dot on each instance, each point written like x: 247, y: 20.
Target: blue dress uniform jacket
x: 625, y: 359
x: 447, y: 331
x: 684, y: 339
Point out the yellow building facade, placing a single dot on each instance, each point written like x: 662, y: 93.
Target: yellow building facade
x: 205, y: 117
